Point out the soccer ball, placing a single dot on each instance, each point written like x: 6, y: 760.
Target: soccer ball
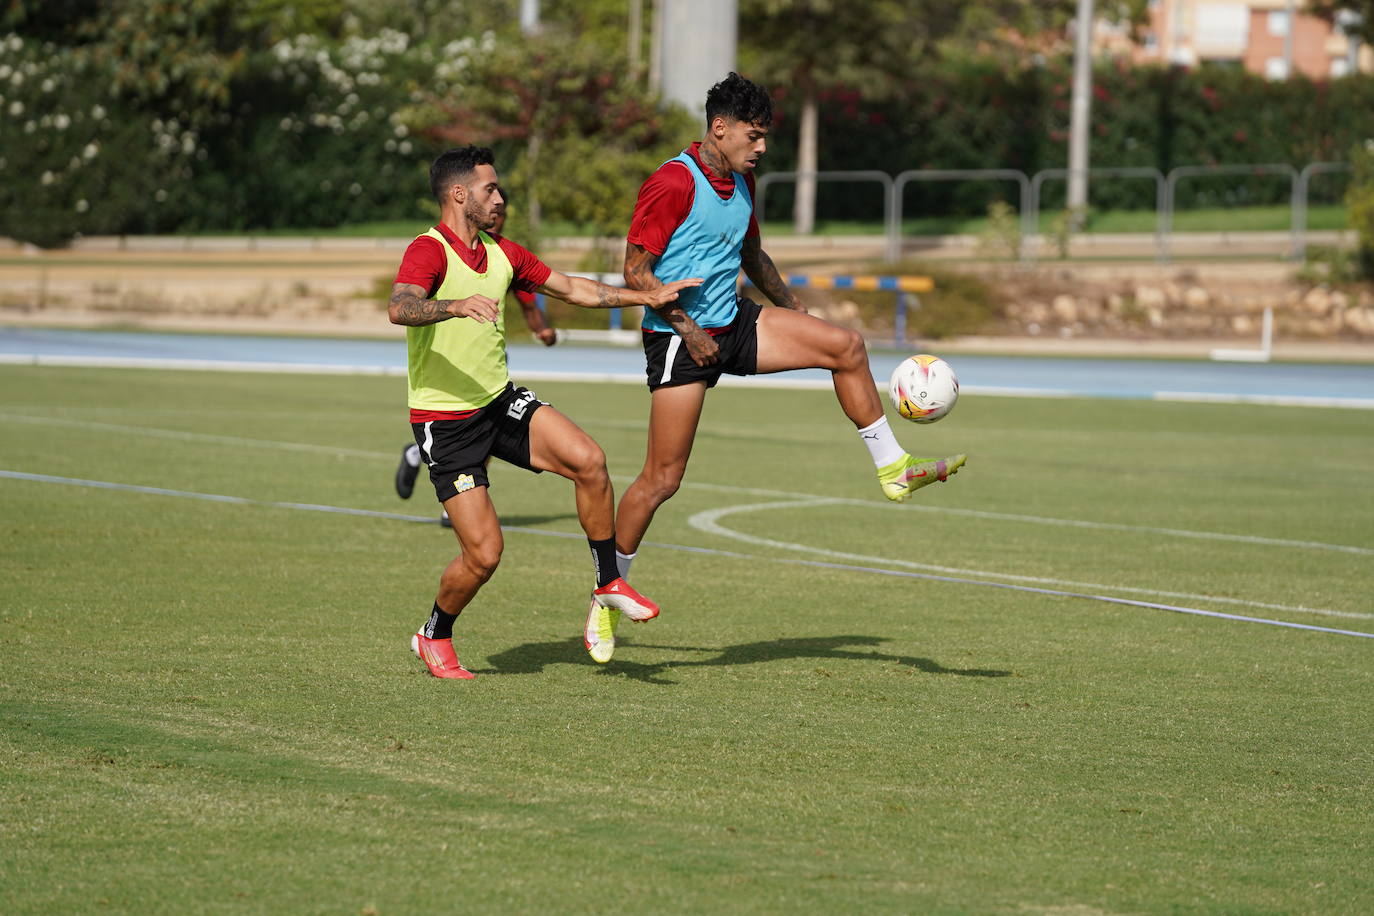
x: 923, y: 388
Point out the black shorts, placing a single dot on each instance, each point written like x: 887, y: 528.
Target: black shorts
x: 667, y: 362
x: 457, y: 450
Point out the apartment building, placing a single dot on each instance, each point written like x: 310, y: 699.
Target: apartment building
x: 1271, y: 37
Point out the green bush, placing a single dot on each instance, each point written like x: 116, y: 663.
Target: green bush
x: 985, y: 113
x: 1360, y: 204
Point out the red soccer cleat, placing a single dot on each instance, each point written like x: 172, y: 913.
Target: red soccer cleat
x: 439, y: 657
x: 622, y: 597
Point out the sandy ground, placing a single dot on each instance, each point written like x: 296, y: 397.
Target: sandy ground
x: 337, y: 287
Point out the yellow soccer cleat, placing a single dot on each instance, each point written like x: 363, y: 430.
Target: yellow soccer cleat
x: 906, y: 475
x: 599, y: 635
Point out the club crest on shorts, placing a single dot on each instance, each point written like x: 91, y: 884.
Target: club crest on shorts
x: 464, y: 483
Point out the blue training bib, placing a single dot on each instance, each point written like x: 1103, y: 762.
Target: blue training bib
x: 706, y: 245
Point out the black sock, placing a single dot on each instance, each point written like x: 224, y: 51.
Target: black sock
x: 603, y: 555
x: 440, y: 624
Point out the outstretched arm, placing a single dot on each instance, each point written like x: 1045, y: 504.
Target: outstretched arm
x: 639, y: 274
x: 761, y: 271
x: 408, y: 306
x: 593, y: 295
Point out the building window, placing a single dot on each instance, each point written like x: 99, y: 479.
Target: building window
x: 1339, y: 67
x: 1278, y: 23
x: 1275, y: 68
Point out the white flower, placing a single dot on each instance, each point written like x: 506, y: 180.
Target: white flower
x: 48, y: 85
x: 61, y: 122
x: 402, y: 130
x: 16, y: 108
x: 92, y: 150
x: 161, y: 195
x: 97, y: 112
x: 47, y: 178
x: 82, y: 206
x: 404, y: 148
x: 5, y: 71
x: 355, y: 189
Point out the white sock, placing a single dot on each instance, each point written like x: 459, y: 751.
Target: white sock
x: 413, y: 455
x: 622, y: 564
x: 882, y: 444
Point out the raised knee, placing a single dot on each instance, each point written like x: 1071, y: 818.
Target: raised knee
x: 854, y: 352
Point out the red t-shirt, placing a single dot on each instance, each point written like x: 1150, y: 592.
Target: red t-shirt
x: 666, y: 198
x: 425, y: 263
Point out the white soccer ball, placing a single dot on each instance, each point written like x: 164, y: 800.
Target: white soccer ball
x: 923, y: 388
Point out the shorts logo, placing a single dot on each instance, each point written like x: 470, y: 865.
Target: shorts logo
x: 522, y: 403
x: 464, y: 483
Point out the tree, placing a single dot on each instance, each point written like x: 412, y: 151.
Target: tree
x: 1356, y: 17
x: 587, y: 134
x: 792, y: 46
x: 813, y: 46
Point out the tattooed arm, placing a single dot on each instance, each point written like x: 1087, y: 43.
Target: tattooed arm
x: 593, y: 295
x: 761, y: 271
x: 639, y: 274
x: 408, y: 306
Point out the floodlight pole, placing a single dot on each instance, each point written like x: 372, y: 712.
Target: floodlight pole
x: 1080, y: 112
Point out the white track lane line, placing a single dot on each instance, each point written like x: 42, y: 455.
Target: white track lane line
x: 366, y: 513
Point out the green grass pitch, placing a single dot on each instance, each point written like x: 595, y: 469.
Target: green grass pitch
x: 210, y: 706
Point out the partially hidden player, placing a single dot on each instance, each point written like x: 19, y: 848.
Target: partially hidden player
x: 464, y: 408
x: 695, y: 217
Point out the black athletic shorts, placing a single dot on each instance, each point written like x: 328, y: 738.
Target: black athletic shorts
x: 667, y: 362
x: 457, y: 450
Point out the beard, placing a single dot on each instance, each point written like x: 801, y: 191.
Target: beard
x: 480, y: 218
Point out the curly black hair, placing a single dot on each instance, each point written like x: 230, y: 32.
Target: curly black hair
x: 735, y: 97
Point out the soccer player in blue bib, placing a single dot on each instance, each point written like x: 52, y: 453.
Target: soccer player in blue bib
x: 695, y: 218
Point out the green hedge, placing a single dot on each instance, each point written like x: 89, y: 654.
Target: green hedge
x: 983, y: 114
x: 310, y: 133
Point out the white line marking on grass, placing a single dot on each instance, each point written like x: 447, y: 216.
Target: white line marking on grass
x: 1034, y: 519
x: 709, y: 523
x: 708, y: 551
x: 624, y: 479
x: 183, y: 435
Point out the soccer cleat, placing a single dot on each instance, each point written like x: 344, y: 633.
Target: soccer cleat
x: 406, y: 474
x: 599, y: 635
x: 906, y: 475
x: 620, y: 595
x: 608, y: 603
x: 439, y: 657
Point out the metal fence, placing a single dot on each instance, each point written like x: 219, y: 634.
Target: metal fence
x: 1031, y: 190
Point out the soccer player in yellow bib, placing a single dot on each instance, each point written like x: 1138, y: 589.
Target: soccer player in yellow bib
x: 464, y: 409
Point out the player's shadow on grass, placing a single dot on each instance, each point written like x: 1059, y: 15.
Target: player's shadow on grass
x: 531, y: 658
x: 531, y: 521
